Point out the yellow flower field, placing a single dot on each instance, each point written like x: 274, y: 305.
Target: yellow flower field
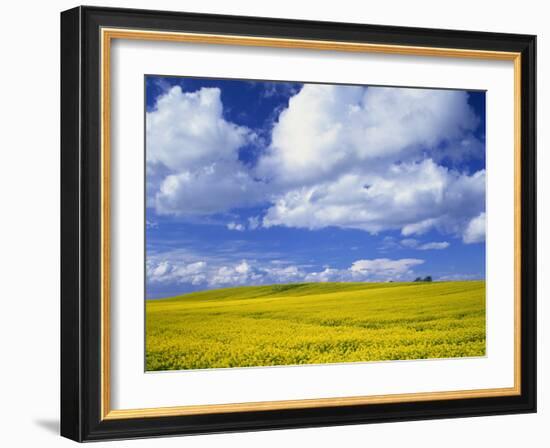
x: 315, y: 323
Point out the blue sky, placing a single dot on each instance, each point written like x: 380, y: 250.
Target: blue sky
x: 253, y: 182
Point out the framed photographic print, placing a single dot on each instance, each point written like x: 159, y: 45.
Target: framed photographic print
x: 273, y: 223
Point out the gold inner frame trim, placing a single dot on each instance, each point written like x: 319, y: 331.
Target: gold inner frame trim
x: 107, y: 35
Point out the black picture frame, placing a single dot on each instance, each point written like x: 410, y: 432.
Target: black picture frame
x: 81, y: 224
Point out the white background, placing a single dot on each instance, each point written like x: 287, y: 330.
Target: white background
x: 29, y: 233
x: 132, y: 388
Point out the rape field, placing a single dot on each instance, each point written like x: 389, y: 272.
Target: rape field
x: 315, y: 323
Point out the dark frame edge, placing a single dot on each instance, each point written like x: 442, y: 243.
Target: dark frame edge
x: 71, y: 89
x: 529, y: 222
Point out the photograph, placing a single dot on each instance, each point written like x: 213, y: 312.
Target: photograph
x: 294, y: 223
x: 281, y: 223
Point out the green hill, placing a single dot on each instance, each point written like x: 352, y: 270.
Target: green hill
x: 313, y: 323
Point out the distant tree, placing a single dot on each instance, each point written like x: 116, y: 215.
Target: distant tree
x: 428, y: 278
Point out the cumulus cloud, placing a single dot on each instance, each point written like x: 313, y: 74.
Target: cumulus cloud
x: 238, y: 274
x: 384, y: 267
x: 475, y: 231
x: 235, y: 226
x: 411, y: 243
x: 186, y: 130
x: 343, y: 156
x: 413, y: 198
x: 193, y: 273
x: 328, y: 129
x: 366, y: 158
x: 193, y: 165
x: 215, y: 273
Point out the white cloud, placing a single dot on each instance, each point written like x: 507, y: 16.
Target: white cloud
x: 413, y: 198
x: 193, y: 165
x: 343, y: 156
x: 242, y: 268
x: 328, y: 129
x: 475, y: 231
x: 419, y: 228
x: 328, y: 275
x: 286, y: 274
x: 193, y: 273
x: 434, y: 246
x: 186, y: 130
x: 384, y: 267
x: 237, y: 274
x: 253, y: 222
x: 365, y: 158
x: 235, y: 226
x: 411, y: 243
x: 215, y: 273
